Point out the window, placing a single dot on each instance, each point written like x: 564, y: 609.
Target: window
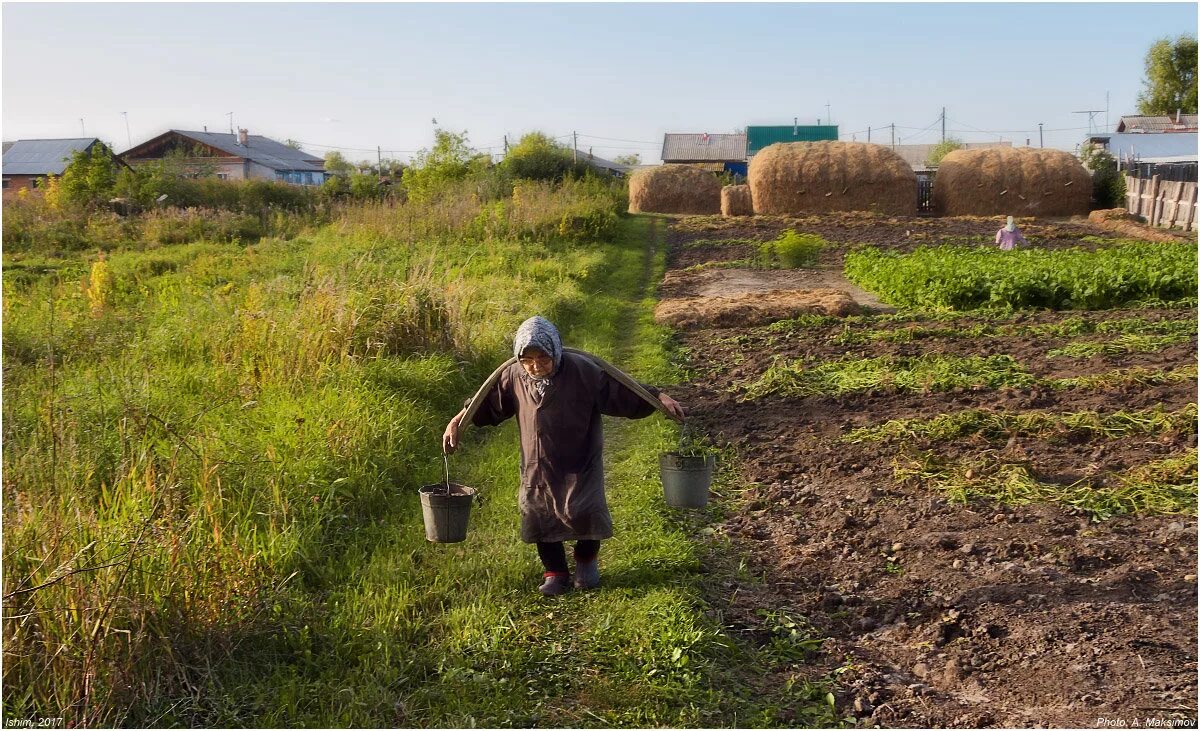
x: 222, y: 176
x: 6, y: 182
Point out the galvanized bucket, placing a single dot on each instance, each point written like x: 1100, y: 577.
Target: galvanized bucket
x: 686, y: 479
x: 446, y: 510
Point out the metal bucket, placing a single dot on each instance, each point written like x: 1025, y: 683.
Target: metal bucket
x: 686, y: 479
x: 446, y: 512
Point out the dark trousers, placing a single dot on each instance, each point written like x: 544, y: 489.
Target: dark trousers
x: 554, y: 556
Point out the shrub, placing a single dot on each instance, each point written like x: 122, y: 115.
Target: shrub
x: 792, y: 250
x: 538, y: 157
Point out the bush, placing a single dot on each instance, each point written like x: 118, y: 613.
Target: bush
x: 538, y: 157
x: 792, y: 250
x: 1108, y: 184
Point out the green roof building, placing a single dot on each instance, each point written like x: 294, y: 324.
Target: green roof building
x: 759, y: 137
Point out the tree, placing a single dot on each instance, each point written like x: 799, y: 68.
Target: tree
x: 942, y: 149
x: 630, y: 160
x: 1170, y: 83
x: 449, y: 160
x: 294, y: 144
x: 336, y: 164
x: 90, y: 177
x: 1108, y: 185
x: 538, y: 157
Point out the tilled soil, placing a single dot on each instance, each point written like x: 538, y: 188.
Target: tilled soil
x: 939, y: 613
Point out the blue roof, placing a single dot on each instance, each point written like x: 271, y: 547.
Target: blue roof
x: 43, y: 157
x: 1142, y: 146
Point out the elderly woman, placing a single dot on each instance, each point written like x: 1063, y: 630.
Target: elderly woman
x: 558, y: 399
x: 1009, y: 236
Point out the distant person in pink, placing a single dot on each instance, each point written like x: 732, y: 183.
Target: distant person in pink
x: 1009, y: 236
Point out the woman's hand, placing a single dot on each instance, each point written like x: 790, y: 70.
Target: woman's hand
x: 672, y: 406
x: 450, y: 436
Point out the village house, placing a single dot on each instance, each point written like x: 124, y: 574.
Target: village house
x: 229, y: 156
x: 716, y: 152
x: 28, y: 161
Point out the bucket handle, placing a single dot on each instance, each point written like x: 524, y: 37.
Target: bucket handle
x: 446, y: 466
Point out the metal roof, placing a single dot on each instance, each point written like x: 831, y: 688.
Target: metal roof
x: 43, y: 157
x: 1157, y: 123
x: 604, y: 165
x: 758, y: 137
x: 703, y: 147
x: 1141, y: 146
x: 262, y: 150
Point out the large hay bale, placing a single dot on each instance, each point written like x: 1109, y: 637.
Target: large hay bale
x: 1015, y: 181
x: 789, y: 178
x: 736, y: 201
x: 674, y: 189
x: 753, y: 308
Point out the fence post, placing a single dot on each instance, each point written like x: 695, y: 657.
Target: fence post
x: 1175, y: 204
x: 1190, y: 225
x: 1155, y: 203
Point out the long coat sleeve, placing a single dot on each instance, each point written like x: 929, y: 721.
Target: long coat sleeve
x: 561, y: 495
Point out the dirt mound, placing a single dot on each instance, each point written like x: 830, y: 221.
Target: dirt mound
x: 1018, y: 181
x: 758, y: 308
x: 674, y: 189
x: 736, y: 201
x: 1119, y: 220
x: 813, y: 177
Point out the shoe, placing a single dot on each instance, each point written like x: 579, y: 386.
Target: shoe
x: 587, y: 574
x: 555, y: 584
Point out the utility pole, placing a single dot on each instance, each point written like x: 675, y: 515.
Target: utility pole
x: 943, y: 124
x: 828, y: 117
x: 128, y: 138
x: 868, y: 134
x: 82, y: 131
x: 230, y: 115
x: 893, y: 135
x: 379, y: 160
x: 1041, y: 140
x: 575, y: 145
x: 506, y: 146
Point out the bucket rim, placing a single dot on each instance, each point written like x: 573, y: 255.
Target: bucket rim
x: 439, y: 489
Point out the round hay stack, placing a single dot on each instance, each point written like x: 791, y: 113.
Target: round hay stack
x: 789, y: 178
x: 674, y: 189
x: 1015, y: 181
x: 736, y: 201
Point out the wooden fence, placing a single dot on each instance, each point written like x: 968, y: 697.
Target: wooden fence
x: 1163, y: 203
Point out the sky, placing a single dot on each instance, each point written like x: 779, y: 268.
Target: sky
x: 358, y: 77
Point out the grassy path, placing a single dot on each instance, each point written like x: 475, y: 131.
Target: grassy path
x: 389, y: 630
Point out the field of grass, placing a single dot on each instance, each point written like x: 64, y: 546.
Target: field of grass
x: 213, y: 453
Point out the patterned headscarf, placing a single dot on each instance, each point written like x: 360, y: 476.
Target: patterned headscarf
x: 538, y: 332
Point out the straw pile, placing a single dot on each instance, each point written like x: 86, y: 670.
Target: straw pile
x: 674, y: 189
x: 753, y: 308
x: 1121, y: 221
x: 1016, y: 181
x: 815, y: 177
x: 736, y: 201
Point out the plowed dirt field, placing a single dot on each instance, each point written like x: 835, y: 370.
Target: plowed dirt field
x: 941, y: 611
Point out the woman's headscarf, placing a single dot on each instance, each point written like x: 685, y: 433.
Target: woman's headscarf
x: 538, y: 332
x: 1010, y: 226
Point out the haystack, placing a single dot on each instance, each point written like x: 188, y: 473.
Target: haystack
x: 1016, y: 181
x: 1121, y: 221
x: 753, y: 308
x: 736, y: 201
x: 790, y: 178
x: 674, y: 189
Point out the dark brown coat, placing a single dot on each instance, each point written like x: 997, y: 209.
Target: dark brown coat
x: 562, y: 441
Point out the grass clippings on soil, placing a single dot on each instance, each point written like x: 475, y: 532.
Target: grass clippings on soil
x: 757, y: 308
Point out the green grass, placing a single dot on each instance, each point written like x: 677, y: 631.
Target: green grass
x: 1176, y: 330
x: 241, y: 432
x: 962, y: 278
x: 1165, y: 486
x: 1128, y: 343
x: 993, y: 425
x: 856, y: 375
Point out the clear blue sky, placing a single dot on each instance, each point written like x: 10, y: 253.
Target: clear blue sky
x: 358, y: 76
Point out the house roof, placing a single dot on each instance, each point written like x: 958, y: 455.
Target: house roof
x: 916, y: 155
x: 760, y: 136
x: 262, y: 150
x: 1149, y: 147
x: 43, y: 157
x: 1157, y: 123
x: 703, y: 147
x: 604, y: 165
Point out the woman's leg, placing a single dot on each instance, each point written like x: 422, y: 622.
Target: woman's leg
x: 587, y: 551
x: 554, y: 558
